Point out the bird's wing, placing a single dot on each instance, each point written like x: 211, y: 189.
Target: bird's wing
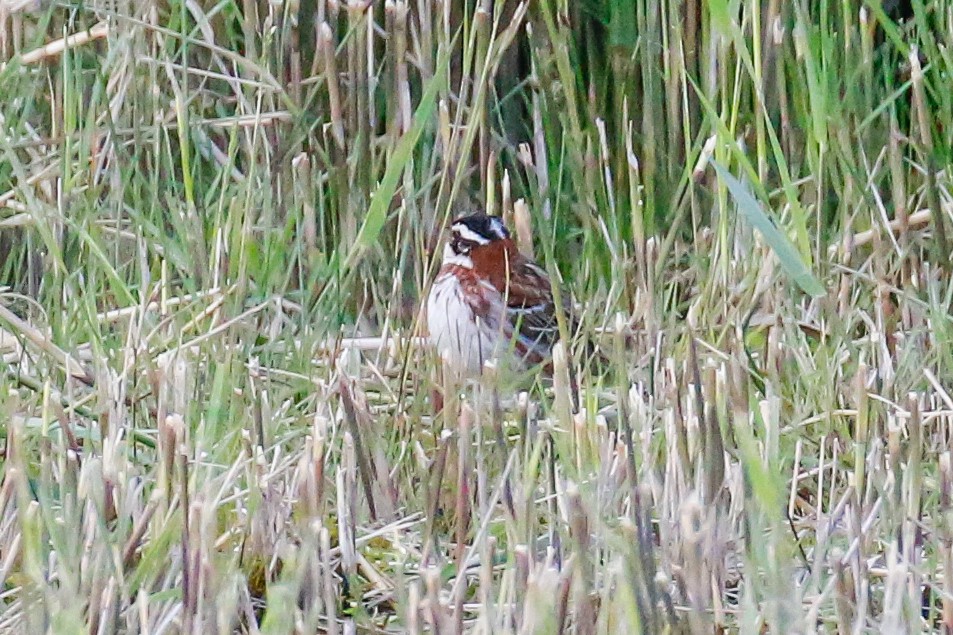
x: 531, y: 309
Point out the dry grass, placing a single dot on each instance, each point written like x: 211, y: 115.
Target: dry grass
x: 216, y: 222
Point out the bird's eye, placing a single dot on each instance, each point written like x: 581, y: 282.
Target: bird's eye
x: 461, y: 246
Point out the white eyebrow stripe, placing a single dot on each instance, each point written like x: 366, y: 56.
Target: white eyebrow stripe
x: 498, y: 227
x: 468, y: 234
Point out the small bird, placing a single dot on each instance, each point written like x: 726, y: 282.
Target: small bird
x: 489, y: 300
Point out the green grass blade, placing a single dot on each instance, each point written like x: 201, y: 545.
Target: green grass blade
x: 403, y: 152
x: 752, y: 211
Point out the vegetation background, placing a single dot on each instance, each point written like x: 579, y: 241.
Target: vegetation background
x: 217, y: 220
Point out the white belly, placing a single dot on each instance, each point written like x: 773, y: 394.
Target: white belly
x: 463, y: 341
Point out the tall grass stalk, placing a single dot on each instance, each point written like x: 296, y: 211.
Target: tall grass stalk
x: 219, y: 414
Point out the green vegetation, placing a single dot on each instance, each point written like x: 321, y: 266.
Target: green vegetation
x: 217, y: 220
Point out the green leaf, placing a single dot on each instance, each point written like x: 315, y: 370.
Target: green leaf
x: 623, y: 31
x: 720, y: 16
x: 403, y: 152
x: 752, y: 211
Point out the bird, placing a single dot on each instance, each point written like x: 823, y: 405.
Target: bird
x: 489, y: 301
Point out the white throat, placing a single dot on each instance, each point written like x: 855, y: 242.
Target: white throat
x: 451, y: 258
